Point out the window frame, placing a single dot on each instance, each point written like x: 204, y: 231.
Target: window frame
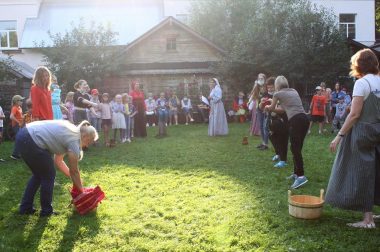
x: 171, y: 43
x: 345, y: 26
x: 8, y: 36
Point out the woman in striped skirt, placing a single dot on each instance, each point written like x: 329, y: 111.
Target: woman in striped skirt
x: 355, y: 178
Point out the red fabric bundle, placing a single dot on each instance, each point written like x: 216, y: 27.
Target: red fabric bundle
x: 88, y: 200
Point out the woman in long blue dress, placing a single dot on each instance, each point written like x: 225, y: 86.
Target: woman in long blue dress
x: 217, y: 120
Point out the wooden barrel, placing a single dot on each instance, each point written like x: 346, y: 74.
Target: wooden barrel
x: 305, y: 206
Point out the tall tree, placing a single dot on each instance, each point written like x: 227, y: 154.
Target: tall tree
x: 85, y: 52
x: 7, y: 68
x: 283, y: 37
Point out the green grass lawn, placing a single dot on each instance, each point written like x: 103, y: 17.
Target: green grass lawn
x: 186, y: 192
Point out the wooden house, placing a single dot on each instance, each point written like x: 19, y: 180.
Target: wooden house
x: 170, y: 57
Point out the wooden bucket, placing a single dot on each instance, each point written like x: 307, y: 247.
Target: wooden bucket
x: 305, y: 206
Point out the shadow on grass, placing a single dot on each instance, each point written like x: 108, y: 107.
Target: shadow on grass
x: 78, y: 229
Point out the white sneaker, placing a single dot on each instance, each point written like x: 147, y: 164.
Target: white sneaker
x: 186, y: 124
x: 128, y: 140
x: 166, y: 124
x: 147, y: 124
x: 124, y: 140
x: 191, y: 120
x: 309, y: 132
x: 153, y: 124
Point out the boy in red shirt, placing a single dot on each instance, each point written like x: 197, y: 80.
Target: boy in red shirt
x: 317, y: 109
x: 16, y: 118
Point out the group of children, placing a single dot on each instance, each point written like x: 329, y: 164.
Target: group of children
x: 107, y: 114
x: 326, y: 104
x: 168, y: 108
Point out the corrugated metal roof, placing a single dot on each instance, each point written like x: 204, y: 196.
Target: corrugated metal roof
x: 129, y: 18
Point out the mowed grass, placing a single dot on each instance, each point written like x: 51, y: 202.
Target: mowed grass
x: 186, y: 192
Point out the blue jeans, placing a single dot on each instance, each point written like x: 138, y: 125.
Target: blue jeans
x: 41, y: 164
x: 262, y: 118
x: 16, y: 151
x: 127, y: 127
x: 163, y: 115
x: 96, y: 122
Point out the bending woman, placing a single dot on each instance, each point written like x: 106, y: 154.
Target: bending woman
x: 37, y: 142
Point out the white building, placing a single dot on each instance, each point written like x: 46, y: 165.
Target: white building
x: 356, y: 18
x: 25, y: 23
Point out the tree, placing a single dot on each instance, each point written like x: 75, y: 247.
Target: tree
x: 7, y: 68
x: 283, y: 37
x: 82, y: 53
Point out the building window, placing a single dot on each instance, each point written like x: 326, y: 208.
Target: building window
x: 171, y: 44
x: 8, y: 35
x: 347, y: 25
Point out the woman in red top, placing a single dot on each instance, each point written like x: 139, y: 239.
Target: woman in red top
x: 139, y: 103
x: 40, y: 95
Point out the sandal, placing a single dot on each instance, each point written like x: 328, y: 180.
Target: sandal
x: 363, y: 225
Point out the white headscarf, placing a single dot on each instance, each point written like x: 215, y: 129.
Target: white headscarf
x: 216, y: 81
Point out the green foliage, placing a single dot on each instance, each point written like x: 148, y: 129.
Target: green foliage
x: 285, y: 37
x: 85, y: 52
x: 186, y: 192
x: 7, y: 68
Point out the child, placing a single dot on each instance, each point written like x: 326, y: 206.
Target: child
x: 173, y: 106
x: 57, y: 106
x: 162, y: 111
x: 16, y: 118
x: 186, y: 107
x: 2, y: 116
x: 317, y: 108
x: 28, y: 116
x: 94, y: 115
x: 118, y: 119
x: 106, y: 116
x: 69, y: 105
x: 127, y: 113
x: 240, y: 108
x: 150, y: 105
x: 340, y: 114
x: 132, y: 113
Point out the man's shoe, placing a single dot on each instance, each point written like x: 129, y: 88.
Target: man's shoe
x: 280, y: 164
x: 259, y: 146
x: 28, y: 212
x: 42, y: 214
x: 264, y: 147
x: 15, y: 157
x: 300, y: 181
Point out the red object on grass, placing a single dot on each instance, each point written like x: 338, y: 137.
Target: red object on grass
x: 88, y: 200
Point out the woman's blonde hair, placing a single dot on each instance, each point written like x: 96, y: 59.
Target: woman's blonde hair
x: 79, y: 83
x: 38, y: 75
x: 280, y: 83
x: 364, y: 62
x: 68, y: 95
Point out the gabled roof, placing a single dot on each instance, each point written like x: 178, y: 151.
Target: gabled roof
x: 172, y: 21
x: 20, y: 69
